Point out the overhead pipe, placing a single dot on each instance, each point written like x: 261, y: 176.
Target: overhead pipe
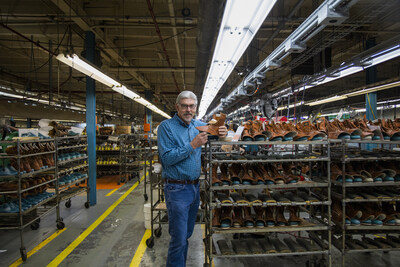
x: 162, y: 42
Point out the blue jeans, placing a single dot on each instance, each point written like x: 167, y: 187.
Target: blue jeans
x: 182, y: 204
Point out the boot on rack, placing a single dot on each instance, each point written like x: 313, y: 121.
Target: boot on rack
x: 300, y: 136
x: 248, y: 177
x: 215, y: 180
x: 273, y: 133
x: 237, y: 217
x: 248, y: 219
x: 248, y: 131
x: 258, y: 134
x: 257, y: 174
x: 216, y: 221
x: 224, y: 174
x: 280, y: 218
x: 226, y: 217
x: 308, y: 128
x: 264, y: 173
x: 260, y: 222
x: 236, y: 172
x: 270, y: 216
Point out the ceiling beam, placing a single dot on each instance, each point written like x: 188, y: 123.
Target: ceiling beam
x: 153, y: 69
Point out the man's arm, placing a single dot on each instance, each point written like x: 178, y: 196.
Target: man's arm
x: 170, y: 154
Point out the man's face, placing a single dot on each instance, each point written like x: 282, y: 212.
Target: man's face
x: 186, y: 109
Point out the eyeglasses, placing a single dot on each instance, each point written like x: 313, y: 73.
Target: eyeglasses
x: 184, y: 106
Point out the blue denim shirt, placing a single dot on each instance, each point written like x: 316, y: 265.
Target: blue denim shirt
x: 179, y: 160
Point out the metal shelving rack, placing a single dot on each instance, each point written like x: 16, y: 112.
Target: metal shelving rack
x: 30, y: 216
x: 341, y: 228
x: 318, y: 226
x: 116, y: 168
x: 77, y: 164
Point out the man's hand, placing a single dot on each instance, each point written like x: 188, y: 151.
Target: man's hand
x: 199, y: 140
x: 222, y: 131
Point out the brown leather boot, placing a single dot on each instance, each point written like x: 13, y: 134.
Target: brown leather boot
x: 248, y: 219
x: 355, y: 133
x: 334, y: 132
x: 280, y: 218
x: 300, y: 136
x: 26, y: 165
x: 267, y: 178
x: 237, y: 217
x: 269, y: 216
x: 34, y: 164
x: 213, y: 128
x: 260, y: 222
x: 258, y: 131
x: 226, y: 217
x: 248, y: 177
x: 258, y: 175
x: 215, y: 180
x: 311, y: 130
x: 288, y: 135
x: 216, y: 221
x: 278, y: 178
x: 248, y: 131
x: 293, y: 218
x: 224, y: 174
x: 236, y: 173
x: 272, y: 132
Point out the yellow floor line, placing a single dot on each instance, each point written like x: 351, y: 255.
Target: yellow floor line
x: 82, y: 236
x: 204, y: 236
x: 38, y: 247
x: 137, y: 258
x: 112, y: 192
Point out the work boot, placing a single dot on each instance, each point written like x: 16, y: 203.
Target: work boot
x: 248, y: 131
x: 215, y: 180
x: 258, y: 131
x: 224, y: 174
x: 213, y: 128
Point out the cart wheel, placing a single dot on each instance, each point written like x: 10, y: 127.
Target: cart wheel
x: 150, y: 242
x: 68, y: 204
x: 23, y: 254
x: 158, y: 232
x: 35, y: 225
x: 145, y: 197
x: 87, y: 205
x: 60, y: 225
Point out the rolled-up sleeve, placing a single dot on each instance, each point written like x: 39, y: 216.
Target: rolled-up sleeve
x: 169, y: 152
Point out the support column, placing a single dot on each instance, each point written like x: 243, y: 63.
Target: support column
x: 371, y: 98
x: 91, y: 118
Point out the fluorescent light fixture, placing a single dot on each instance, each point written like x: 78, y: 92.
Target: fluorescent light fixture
x: 80, y: 65
x: 240, y: 23
x: 86, y: 68
x: 327, y: 100
x: 291, y: 106
x: 373, y: 89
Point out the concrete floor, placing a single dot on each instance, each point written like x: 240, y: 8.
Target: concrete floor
x: 115, y: 240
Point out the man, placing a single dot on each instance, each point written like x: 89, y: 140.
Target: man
x: 179, y: 144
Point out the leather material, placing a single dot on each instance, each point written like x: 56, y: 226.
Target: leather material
x: 224, y: 173
x: 213, y: 128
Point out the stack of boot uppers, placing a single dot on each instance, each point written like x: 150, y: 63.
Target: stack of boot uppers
x: 59, y: 130
x: 213, y: 125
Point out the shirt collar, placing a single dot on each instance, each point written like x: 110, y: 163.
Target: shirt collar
x: 176, y: 117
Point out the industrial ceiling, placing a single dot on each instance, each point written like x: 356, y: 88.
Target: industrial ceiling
x: 162, y: 47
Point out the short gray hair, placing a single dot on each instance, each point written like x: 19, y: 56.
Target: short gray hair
x: 186, y: 94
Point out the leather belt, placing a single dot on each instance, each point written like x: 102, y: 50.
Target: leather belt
x: 171, y: 181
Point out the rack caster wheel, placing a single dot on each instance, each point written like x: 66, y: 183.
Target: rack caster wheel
x: 23, y: 254
x: 60, y: 225
x: 35, y: 225
x: 145, y: 197
x: 150, y: 242
x: 158, y: 232
x: 87, y: 205
x: 68, y: 204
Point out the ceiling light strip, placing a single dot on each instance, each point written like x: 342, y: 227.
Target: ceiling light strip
x: 88, y: 69
x: 240, y: 23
